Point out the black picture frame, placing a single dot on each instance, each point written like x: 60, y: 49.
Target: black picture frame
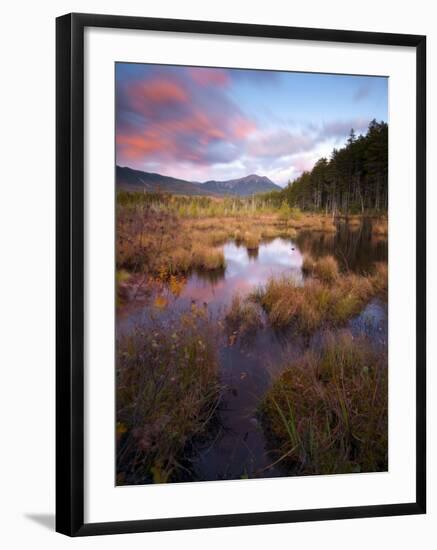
x: 70, y: 273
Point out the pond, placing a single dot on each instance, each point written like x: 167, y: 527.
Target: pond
x: 238, y: 447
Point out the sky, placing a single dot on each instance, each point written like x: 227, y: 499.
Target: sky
x: 199, y: 124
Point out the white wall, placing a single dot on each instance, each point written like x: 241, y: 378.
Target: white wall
x: 27, y: 287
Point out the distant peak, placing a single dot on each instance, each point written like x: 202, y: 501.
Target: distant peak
x: 247, y: 185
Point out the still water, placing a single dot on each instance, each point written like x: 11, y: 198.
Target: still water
x: 238, y: 447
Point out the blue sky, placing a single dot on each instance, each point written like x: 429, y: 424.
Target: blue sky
x: 209, y: 123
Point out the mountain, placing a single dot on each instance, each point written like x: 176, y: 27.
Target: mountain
x: 249, y: 185
x: 136, y: 180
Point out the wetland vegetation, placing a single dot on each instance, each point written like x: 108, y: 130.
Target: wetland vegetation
x: 203, y: 286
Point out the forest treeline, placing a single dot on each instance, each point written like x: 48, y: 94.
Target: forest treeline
x: 354, y: 180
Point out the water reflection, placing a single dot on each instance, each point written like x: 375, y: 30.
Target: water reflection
x: 354, y: 248
x: 244, y: 272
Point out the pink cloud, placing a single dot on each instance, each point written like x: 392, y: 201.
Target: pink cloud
x: 243, y: 127
x: 209, y: 77
x: 170, y: 119
x: 303, y: 164
x: 159, y: 91
x: 137, y: 146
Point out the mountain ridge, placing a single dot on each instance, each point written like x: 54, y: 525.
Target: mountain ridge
x: 247, y: 185
x: 130, y: 179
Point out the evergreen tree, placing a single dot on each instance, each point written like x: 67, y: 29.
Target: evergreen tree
x: 353, y: 180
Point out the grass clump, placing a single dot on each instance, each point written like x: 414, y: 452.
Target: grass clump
x: 318, y: 303
x: 178, y: 261
x: 243, y: 317
x: 167, y: 394
x: 308, y: 264
x: 269, y: 232
x: 316, y: 222
x: 327, y: 412
x: 237, y: 235
x: 217, y: 237
x: 291, y: 233
x: 380, y: 279
x: 326, y: 269
x: 207, y: 258
x: 251, y: 240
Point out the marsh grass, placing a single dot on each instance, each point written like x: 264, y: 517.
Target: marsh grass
x: 216, y: 237
x: 379, y: 279
x: 328, y: 298
x: 251, y: 240
x: 315, y: 222
x: 270, y: 232
x: 160, y: 235
x: 326, y: 269
x: 153, y: 242
x: 327, y: 412
x: 207, y: 258
x: 167, y: 395
x: 243, y: 318
x: 308, y: 263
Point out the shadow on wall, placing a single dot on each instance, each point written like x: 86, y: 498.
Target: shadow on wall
x: 46, y: 520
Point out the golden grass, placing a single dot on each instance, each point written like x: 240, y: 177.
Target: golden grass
x: 316, y: 222
x: 308, y: 264
x: 327, y: 412
x: 251, y: 240
x: 326, y: 269
x: 207, y: 258
x: 379, y: 279
x: 216, y: 237
x: 326, y: 299
x: 269, y: 232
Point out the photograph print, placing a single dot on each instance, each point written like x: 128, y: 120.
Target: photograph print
x: 251, y: 274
